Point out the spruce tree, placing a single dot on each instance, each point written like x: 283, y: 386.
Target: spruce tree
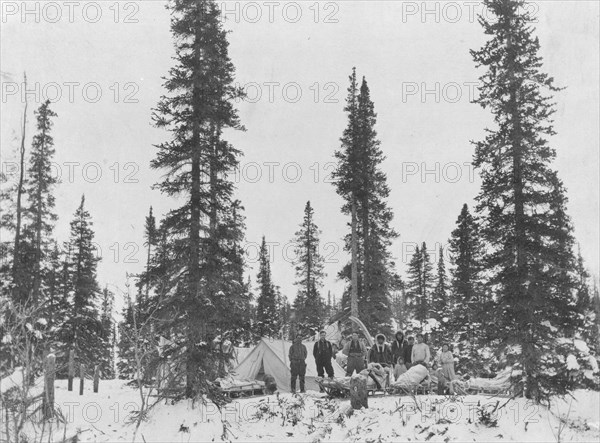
x: 363, y: 186
x: 467, y: 306
x: 150, y: 239
x: 106, y: 359
x: 439, y: 303
x: 416, y: 302
x: 56, y: 305
x: 428, y: 279
x: 268, y: 308
x: 308, y: 262
x: 82, y: 329
x: 198, y: 161
x: 39, y: 216
x: 521, y: 202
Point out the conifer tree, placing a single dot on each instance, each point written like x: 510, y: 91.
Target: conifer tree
x: 39, y: 216
x: 427, y: 276
x: 415, y: 298
x: 56, y: 305
x: 310, y: 309
x: 107, y: 323
x: 440, y: 293
x: 363, y: 186
x: 268, y: 307
x: 82, y: 329
x: 467, y: 306
x: 150, y: 239
x: 521, y: 202
x: 197, y: 110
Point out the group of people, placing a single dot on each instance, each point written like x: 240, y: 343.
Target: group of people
x: 399, y: 356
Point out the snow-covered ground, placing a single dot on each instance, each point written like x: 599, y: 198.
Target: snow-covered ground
x: 106, y: 416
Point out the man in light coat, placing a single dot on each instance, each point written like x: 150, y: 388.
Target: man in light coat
x: 356, y: 352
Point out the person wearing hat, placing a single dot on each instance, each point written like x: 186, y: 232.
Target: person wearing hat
x: 297, y: 356
x: 323, y: 353
x: 398, y: 347
x: 380, y: 352
x: 356, y: 351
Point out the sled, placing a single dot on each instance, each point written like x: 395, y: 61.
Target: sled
x: 241, y: 388
x: 377, y: 383
x: 244, y: 391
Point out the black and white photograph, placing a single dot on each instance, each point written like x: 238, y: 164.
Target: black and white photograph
x: 299, y: 221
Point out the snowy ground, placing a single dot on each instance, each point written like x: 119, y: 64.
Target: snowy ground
x: 106, y: 416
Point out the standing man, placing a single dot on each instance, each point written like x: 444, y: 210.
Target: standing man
x: 420, y: 352
x: 323, y: 353
x: 398, y: 347
x: 297, y: 357
x: 356, y: 352
x: 408, y: 352
x: 380, y: 352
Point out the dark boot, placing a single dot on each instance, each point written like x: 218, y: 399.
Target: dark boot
x: 293, y: 385
x: 302, y: 384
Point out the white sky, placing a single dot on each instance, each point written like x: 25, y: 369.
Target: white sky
x: 401, y: 49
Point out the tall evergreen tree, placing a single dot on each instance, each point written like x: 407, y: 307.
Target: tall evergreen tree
x: 427, y: 276
x: 519, y: 201
x: 82, y: 330
x: 198, y: 108
x: 362, y: 184
x: 416, y: 302
x: 268, y: 307
x: 467, y: 306
x: 106, y: 359
x: 439, y: 302
x: 310, y: 309
x: 39, y: 214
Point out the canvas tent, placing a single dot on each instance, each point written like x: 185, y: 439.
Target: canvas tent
x: 270, y: 356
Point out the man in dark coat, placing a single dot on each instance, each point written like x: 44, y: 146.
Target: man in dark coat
x: 297, y: 357
x: 380, y: 352
x: 408, y: 352
x: 323, y: 353
x: 398, y: 347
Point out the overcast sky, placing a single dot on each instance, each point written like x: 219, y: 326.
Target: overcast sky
x: 102, y: 63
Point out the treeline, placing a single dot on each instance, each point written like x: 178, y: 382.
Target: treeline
x: 50, y: 287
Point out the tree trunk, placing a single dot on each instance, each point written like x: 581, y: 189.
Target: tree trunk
x: 71, y: 369
x: 81, y: 378
x: 354, y: 270
x: 49, y: 375
x: 96, y: 378
x: 19, y: 210
x: 358, y: 392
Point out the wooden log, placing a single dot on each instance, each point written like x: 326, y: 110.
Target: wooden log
x: 96, y: 378
x: 358, y: 392
x: 49, y: 376
x: 81, y: 378
x: 71, y: 369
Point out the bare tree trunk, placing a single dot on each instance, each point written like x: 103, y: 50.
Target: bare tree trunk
x: 354, y: 270
x: 19, y: 209
x: 49, y: 375
x: 358, y: 392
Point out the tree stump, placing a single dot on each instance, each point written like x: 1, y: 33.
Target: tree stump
x: 96, y: 378
x: 71, y: 369
x: 358, y: 392
x: 81, y: 378
x: 49, y: 375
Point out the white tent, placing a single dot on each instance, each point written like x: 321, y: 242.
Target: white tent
x: 270, y: 356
